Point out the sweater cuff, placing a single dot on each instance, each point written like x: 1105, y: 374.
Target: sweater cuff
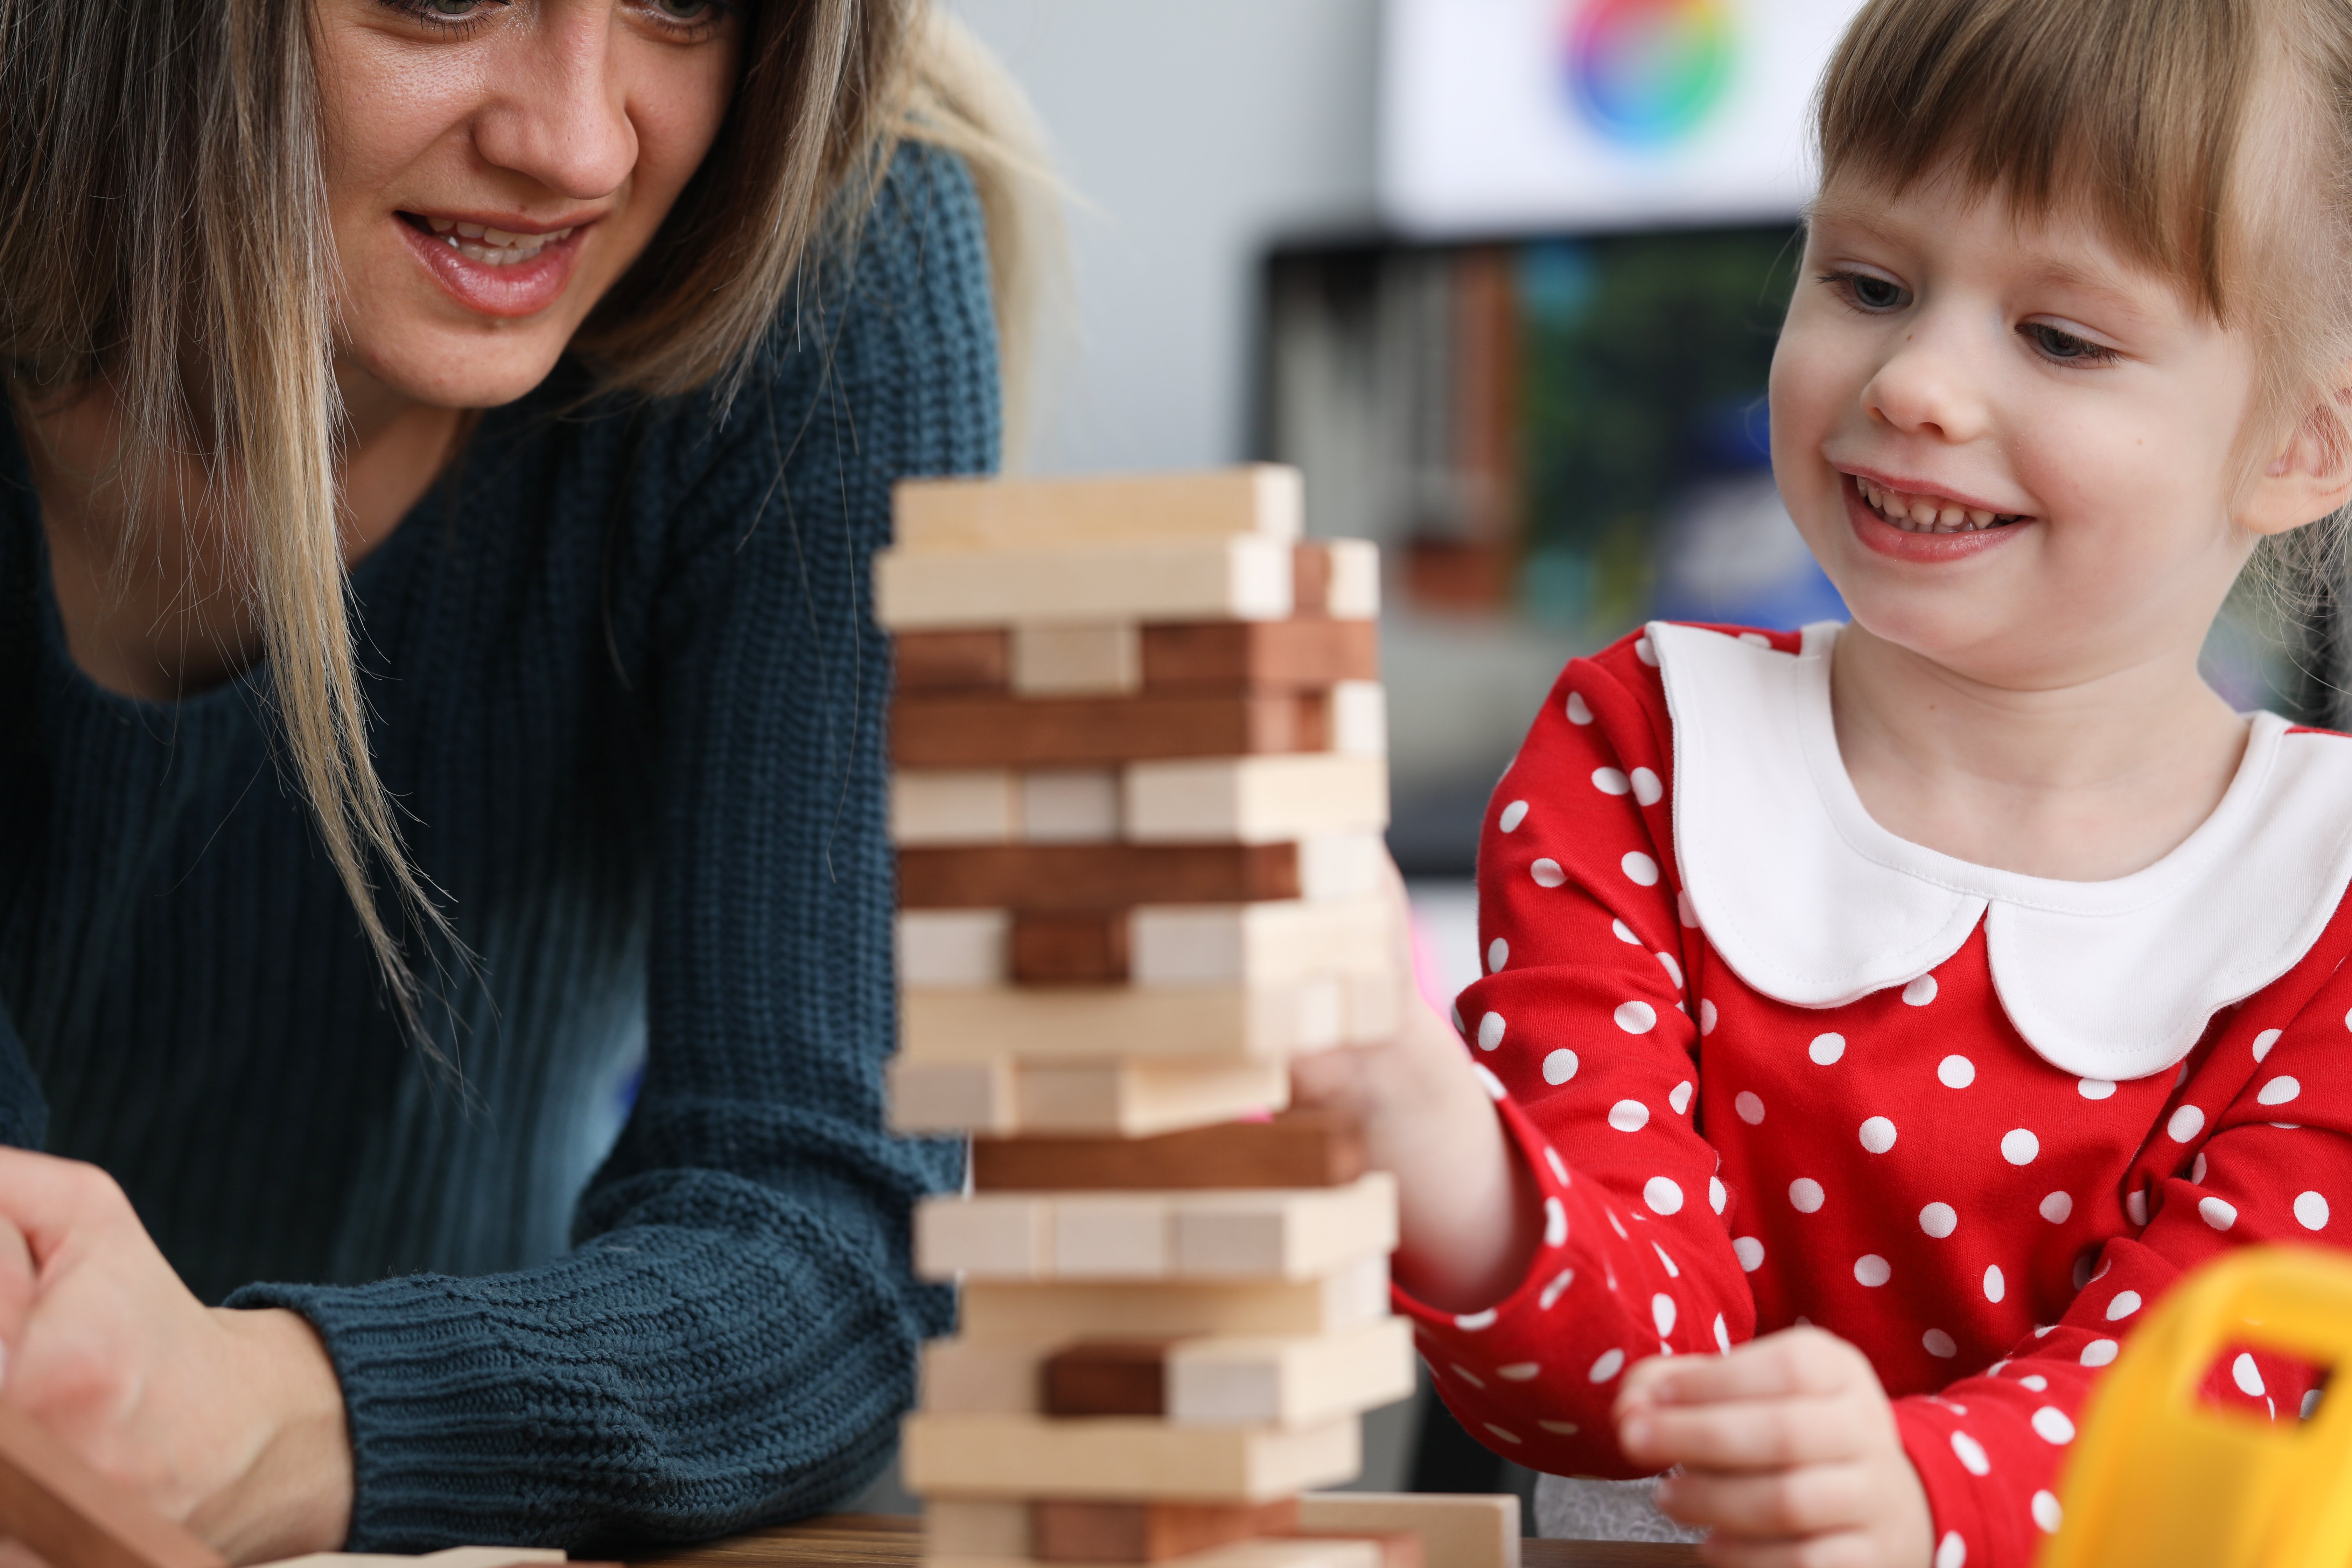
x: 1956, y: 1468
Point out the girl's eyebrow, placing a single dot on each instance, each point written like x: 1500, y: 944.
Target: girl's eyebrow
x: 2113, y: 290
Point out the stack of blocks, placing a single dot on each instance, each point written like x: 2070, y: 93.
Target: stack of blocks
x: 1140, y: 781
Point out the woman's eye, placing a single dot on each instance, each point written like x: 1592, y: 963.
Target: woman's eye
x: 1869, y: 292
x: 2065, y: 347
x: 688, y: 15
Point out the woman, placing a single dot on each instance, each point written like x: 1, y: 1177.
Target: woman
x: 586, y: 336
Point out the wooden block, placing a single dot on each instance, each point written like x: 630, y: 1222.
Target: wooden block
x: 1341, y: 865
x: 1029, y: 1312
x: 71, y: 1517
x: 1104, y: 877
x: 952, y: 805
x: 954, y: 1097
x: 1069, y: 806
x: 987, y: 731
x: 1283, y: 1233
x: 1055, y: 947
x: 1267, y: 942
x: 976, y: 1527
x: 1039, y: 1023
x: 954, y: 948
x: 1241, y: 577
x: 1115, y: 1456
x: 1352, y: 588
x: 981, y: 1376
x: 1296, y: 1149
x: 1399, y: 1549
x: 1311, y: 576
x: 1255, y: 800
x: 977, y: 660
x: 1270, y: 1233
x: 1357, y: 720
x: 448, y: 1557
x: 1105, y: 1377
x: 1303, y: 654
x: 988, y: 1237
x: 992, y: 513
x: 1117, y: 1100
x: 1065, y: 1530
x: 1107, y: 1236
x: 1464, y: 1530
x: 1102, y: 658
x: 1290, y: 1381
x: 1261, y: 1551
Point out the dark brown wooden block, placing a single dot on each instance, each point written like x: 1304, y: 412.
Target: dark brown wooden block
x: 1105, y: 1377
x: 1073, y: 947
x: 1071, y: 1532
x: 1296, y: 1149
x: 1095, y: 876
x: 1310, y: 578
x: 985, y: 731
x: 1259, y: 656
x: 71, y: 1517
x: 954, y: 661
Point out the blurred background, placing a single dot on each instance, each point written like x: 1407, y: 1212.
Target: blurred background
x: 1503, y: 277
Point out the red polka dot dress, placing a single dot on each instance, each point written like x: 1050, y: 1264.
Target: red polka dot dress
x: 1771, y: 1065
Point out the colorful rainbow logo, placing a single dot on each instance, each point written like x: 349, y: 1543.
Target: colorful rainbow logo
x: 1645, y: 72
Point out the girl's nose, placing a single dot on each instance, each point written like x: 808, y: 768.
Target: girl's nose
x: 560, y: 115
x: 1926, y: 387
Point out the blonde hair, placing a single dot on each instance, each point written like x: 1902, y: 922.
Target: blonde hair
x: 166, y: 238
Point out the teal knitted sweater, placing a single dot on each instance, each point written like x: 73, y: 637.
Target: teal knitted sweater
x: 629, y: 694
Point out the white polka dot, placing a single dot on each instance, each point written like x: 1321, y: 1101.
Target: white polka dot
x: 1519, y: 1372
x: 2278, y: 1091
x: 1644, y: 651
x: 1679, y: 1097
x: 1952, y: 1552
x: 1505, y: 1433
x: 2263, y: 1042
x: 1878, y: 1135
x: 1564, y: 1428
x: 1706, y: 1018
x: 2019, y: 1146
x: 1995, y: 1287
x: 1609, y: 781
x: 1611, y: 1364
x: 1661, y: 1196
x: 1826, y: 1048
x: 1685, y: 913
x: 2058, y: 1207
x: 1749, y: 1107
x: 2136, y: 1205
x: 1472, y: 1321
x: 1490, y: 1031
x: 1921, y: 992
x: 1614, y: 1224
x: 2047, y: 1515
x: 1938, y: 1220
x: 1625, y: 933
x: 1637, y: 1017
x: 1647, y: 788
x: 1756, y: 639
x: 1492, y: 1085
x: 1750, y: 1251
x: 1666, y: 1262
x: 2052, y: 1426
x: 1455, y: 1013
x: 2125, y: 1303
x: 1466, y: 1375
x: 2247, y: 1375
x: 1871, y: 1271
x: 2311, y: 1211
x: 1805, y: 1195
x: 1722, y: 1335
x: 1663, y: 1313
x: 2185, y: 1123
x: 2197, y: 1169
x: 1499, y: 954
x: 1559, y: 1066
x: 2034, y: 1381
x: 1512, y: 815
x: 1939, y: 1344
x: 1717, y: 1194
x: 1629, y: 1116
x: 1578, y: 713
x: 1551, y: 1156
x: 1673, y: 970
x: 2100, y: 1352
x: 1547, y: 873
x: 2216, y: 1213
x: 2094, y: 1087
x: 1554, y: 1223
x: 1956, y: 1072
x: 2310, y: 1402
x: 1972, y: 1459
x: 1551, y: 1291
x: 1639, y: 870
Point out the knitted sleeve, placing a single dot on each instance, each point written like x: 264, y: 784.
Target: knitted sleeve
x: 733, y: 1335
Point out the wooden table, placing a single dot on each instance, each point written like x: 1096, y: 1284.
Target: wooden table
x: 894, y: 1541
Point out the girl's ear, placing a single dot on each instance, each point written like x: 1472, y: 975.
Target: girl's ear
x: 2310, y: 478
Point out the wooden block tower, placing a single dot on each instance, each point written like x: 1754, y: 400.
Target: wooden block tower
x: 1140, y: 779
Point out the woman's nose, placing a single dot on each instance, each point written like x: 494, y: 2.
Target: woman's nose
x: 1929, y: 385
x: 559, y: 114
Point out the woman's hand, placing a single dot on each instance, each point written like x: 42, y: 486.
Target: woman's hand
x: 1789, y: 1453
x: 230, y: 1422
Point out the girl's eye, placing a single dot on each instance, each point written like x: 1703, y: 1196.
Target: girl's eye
x: 2065, y: 347
x: 1868, y: 291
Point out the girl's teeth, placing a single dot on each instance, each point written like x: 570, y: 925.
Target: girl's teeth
x: 1980, y: 519
x: 441, y: 225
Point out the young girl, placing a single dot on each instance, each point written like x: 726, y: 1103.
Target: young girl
x: 1879, y: 1019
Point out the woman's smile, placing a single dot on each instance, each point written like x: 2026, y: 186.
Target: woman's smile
x: 503, y: 267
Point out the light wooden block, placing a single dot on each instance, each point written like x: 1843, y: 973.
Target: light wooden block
x: 954, y: 1097
x: 1359, y: 723
x: 1287, y: 1381
x: 448, y: 1557
x: 1036, y: 1313
x: 988, y: 1237
x: 1269, y: 943
x: 1272, y: 1233
x: 953, y: 805
x: 953, y: 948
x: 1264, y: 1551
x: 1464, y: 1530
x: 992, y: 513
x: 1124, y: 1100
x: 1103, y: 658
x: 1353, y: 589
x: 1251, y: 1234
x: 1109, y: 1236
x: 974, y: 1527
x: 1271, y: 1023
x: 1027, y: 1456
x: 1334, y: 866
x: 1243, y: 577
x: 981, y: 1376
x: 1069, y: 806
x: 1255, y: 800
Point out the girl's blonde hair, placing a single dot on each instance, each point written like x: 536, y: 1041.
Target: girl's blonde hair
x: 166, y: 239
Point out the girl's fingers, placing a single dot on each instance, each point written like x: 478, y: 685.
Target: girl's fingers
x: 1796, y: 1362
x: 1744, y: 1435
x: 1808, y: 1500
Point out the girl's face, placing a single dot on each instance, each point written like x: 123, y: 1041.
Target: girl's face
x: 493, y: 166
x: 2011, y: 450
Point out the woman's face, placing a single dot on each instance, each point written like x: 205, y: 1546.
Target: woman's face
x: 494, y: 166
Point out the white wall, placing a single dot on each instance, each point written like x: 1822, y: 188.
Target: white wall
x: 1194, y: 133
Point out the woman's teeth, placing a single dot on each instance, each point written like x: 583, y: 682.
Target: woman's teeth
x: 1929, y: 514
x: 493, y: 246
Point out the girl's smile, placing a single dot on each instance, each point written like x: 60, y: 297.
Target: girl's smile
x: 1918, y: 524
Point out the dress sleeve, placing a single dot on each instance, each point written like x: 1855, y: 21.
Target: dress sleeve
x: 1581, y: 1029
x: 733, y: 1335
x: 2254, y: 1146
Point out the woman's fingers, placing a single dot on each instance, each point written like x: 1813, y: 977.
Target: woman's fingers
x: 1743, y: 1435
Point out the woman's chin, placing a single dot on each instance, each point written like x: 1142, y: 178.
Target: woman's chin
x: 426, y: 362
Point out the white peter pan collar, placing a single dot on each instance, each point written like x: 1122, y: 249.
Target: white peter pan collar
x: 1811, y: 903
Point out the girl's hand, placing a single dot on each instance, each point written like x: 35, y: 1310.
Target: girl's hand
x: 1789, y: 1453
x: 229, y: 1422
